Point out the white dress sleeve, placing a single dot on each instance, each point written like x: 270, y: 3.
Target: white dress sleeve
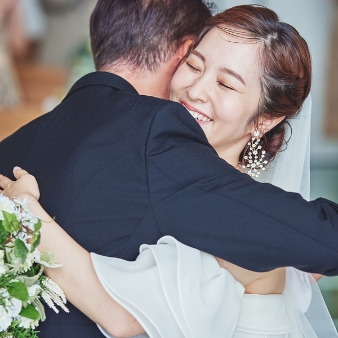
x: 174, y: 291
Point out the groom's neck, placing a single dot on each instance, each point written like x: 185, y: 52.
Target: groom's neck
x: 145, y: 82
x: 152, y: 83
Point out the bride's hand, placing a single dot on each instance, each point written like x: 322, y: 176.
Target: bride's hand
x: 316, y: 276
x: 25, y: 185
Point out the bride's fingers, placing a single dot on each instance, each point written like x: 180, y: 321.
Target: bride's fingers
x: 4, y: 181
x: 316, y: 276
x: 26, y: 183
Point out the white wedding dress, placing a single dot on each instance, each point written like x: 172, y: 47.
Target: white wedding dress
x: 175, y: 291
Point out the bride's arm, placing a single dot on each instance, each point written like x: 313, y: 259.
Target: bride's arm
x: 76, y: 277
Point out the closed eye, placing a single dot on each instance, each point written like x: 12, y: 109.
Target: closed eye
x: 225, y: 86
x: 194, y: 69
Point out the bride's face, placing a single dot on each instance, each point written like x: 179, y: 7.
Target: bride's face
x: 219, y: 85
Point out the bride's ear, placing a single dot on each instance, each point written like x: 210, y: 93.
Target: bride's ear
x: 267, y: 124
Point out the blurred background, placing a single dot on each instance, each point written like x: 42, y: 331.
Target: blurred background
x: 44, y: 49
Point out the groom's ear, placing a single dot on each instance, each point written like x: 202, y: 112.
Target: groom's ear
x: 183, y: 49
x: 267, y: 124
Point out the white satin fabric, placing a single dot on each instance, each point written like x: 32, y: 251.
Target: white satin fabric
x: 176, y: 291
x: 263, y: 316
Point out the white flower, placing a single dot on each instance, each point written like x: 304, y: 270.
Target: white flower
x: 7, y: 205
x: 28, y: 262
x: 28, y: 323
x: 16, y: 263
x: 43, y: 288
x: 5, y: 319
x: 28, y: 220
x: 11, y: 309
x: 33, y: 290
x: 48, y: 260
x: 13, y: 306
x: 3, y: 266
x: 13, y: 260
x: 23, y: 203
x: 4, y: 293
x: 36, y: 255
x: 23, y: 236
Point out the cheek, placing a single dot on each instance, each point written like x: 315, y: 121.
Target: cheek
x: 177, y: 82
x: 228, y: 108
x: 232, y: 114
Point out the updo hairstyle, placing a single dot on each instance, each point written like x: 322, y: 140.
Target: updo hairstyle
x: 285, y: 66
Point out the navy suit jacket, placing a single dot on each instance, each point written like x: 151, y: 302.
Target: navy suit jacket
x: 118, y: 169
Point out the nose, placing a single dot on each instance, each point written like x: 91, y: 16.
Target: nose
x: 198, y: 91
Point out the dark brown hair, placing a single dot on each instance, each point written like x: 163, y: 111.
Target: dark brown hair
x: 285, y: 66
x: 143, y: 33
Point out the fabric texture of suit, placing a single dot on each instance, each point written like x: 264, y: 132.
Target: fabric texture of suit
x: 118, y: 169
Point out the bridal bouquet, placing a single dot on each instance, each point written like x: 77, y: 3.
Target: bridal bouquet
x: 23, y: 287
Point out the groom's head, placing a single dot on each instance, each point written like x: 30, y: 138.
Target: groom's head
x: 143, y: 34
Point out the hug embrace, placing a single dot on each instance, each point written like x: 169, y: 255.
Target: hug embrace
x: 179, y: 191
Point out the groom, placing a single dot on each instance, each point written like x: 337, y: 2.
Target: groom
x: 119, y: 169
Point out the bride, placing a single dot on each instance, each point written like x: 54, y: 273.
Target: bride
x: 244, y: 81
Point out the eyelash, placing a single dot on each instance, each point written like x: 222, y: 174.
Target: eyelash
x: 197, y: 70
x: 225, y: 86
x: 192, y: 67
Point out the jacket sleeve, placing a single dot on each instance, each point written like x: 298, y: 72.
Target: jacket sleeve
x: 205, y: 203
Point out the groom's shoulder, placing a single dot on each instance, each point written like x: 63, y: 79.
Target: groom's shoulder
x: 157, y: 105
x: 15, y: 148
x: 149, y: 108
x: 169, y: 115
x: 30, y: 129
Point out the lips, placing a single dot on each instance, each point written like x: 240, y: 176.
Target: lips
x: 196, y: 114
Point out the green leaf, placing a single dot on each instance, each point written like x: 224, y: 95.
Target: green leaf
x: 18, y: 290
x: 37, y: 226
x: 10, y: 222
x: 18, y: 332
x: 20, y: 250
x: 35, y: 241
x: 3, y: 234
x: 30, y: 312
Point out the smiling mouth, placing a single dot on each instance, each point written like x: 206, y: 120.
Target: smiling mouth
x: 199, y: 117
x: 196, y: 115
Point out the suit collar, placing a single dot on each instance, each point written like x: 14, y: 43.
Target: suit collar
x: 103, y: 79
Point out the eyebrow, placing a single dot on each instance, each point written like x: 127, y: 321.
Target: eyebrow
x: 198, y: 54
x: 221, y: 69
x: 232, y: 73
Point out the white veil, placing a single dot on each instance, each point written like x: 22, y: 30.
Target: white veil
x: 291, y: 171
